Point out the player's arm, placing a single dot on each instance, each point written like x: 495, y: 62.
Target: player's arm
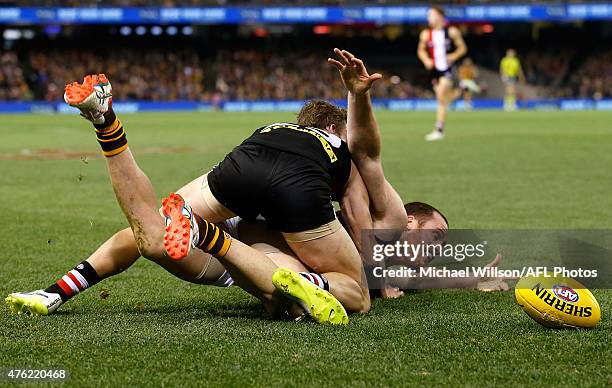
x: 364, y: 141
x: 355, y: 206
x: 461, y: 48
x: 422, y: 51
x: 480, y: 283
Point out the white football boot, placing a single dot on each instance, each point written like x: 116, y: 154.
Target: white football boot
x: 93, y: 97
x: 36, y: 302
x: 434, y: 136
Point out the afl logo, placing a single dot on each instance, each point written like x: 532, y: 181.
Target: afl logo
x: 565, y: 293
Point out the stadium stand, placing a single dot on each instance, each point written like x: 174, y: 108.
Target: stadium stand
x: 255, y: 75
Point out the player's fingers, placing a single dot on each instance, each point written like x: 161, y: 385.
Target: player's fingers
x: 348, y: 54
x: 349, y: 57
x: 376, y: 76
x: 504, y: 286
x: 495, y: 261
x: 334, y: 62
x: 358, y: 63
x: 340, y: 53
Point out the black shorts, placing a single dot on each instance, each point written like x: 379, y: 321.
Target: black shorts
x: 290, y: 191
x: 436, y: 74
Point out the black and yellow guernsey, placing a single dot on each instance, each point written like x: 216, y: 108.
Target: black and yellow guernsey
x: 327, y: 149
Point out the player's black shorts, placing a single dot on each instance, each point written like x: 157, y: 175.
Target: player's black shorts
x: 290, y: 191
x: 436, y: 74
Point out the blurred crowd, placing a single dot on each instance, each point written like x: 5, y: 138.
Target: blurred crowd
x: 147, y: 75
x: 594, y: 78
x: 164, y: 75
x: 171, y: 75
x: 250, y: 74
x: 556, y: 77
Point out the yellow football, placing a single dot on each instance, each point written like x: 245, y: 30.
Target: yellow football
x: 557, y: 302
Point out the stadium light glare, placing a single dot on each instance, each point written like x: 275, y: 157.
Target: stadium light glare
x: 260, y: 32
x: 156, y: 30
x: 125, y: 30
x: 187, y: 30
x: 28, y: 34
x: 11, y: 34
x: 321, y: 30
x: 171, y: 30
x: 141, y: 30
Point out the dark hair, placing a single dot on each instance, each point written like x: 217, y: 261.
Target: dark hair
x: 439, y: 10
x: 422, y: 211
x: 320, y: 114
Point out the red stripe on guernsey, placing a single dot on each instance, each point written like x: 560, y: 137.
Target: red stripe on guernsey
x: 430, y: 45
x: 75, y: 280
x: 65, y: 287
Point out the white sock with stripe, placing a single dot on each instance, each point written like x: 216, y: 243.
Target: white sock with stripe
x: 316, y: 279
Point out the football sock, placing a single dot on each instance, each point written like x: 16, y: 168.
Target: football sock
x: 316, y: 279
x: 211, y: 238
x: 111, y: 135
x: 76, y: 280
x: 440, y: 126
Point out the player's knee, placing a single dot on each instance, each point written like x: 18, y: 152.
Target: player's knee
x: 149, y: 249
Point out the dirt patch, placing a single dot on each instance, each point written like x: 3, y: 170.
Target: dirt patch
x: 56, y: 154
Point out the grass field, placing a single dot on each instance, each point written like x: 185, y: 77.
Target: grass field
x: 494, y: 170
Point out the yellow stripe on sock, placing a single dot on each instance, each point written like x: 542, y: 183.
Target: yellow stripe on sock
x: 214, y: 240
x: 115, y: 152
x: 226, y: 246
x: 111, y: 128
x: 113, y: 139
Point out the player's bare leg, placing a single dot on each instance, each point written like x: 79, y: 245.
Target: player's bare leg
x: 337, y: 259
x: 444, y: 96
x: 510, y: 97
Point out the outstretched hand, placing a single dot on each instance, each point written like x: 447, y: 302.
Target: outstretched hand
x: 355, y: 76
x: 493, y: 283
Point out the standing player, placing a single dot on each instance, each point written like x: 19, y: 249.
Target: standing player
x: 510, y: 71
x: 439, y: 49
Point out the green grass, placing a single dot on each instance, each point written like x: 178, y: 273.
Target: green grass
x: 495, y: 170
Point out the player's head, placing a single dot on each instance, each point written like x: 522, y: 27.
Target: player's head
x: 323, y: 115
x: 424, y: 216
x: 426, y: 225
x: 436, y: 17
x: 510, y: 53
